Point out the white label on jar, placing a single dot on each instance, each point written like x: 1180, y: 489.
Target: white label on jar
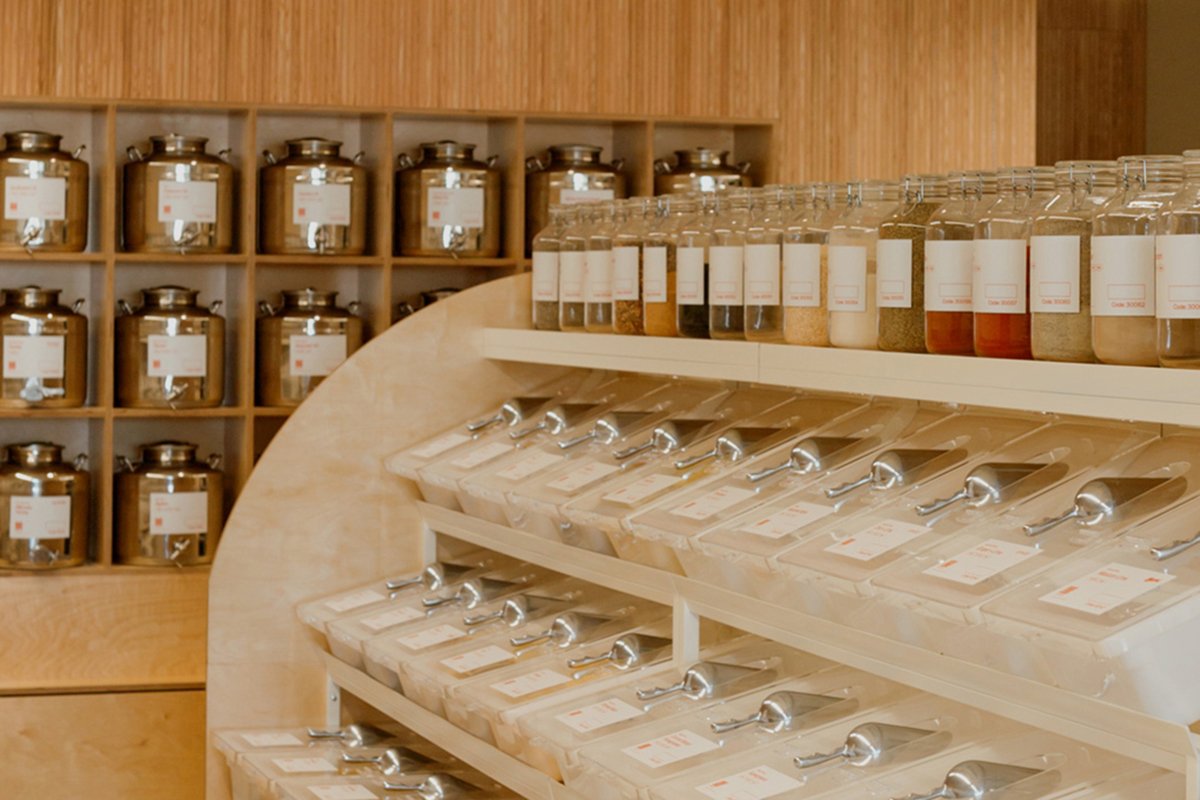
x: 1122, y: 276
x: 1000, y: 276
x: 689, y: 276
x: 586, y: 475
x: 753, y: 784
x: 725, y: 272
x: 460, y: 207
x: 187, y: 201
x: 847, y: 278
x: 482, y: 455
x: 789, y: 520
x: 271, y: 740
x: 802, y: 275
x: 572, y: 268
x: 893, y: 277
x: 184, y: 356
x: 39, y: 517
x: 441, y: 445
x: 545, y: 277
x: 597, y: 285
x: 34, y: 356
x: 948, y: 267
x: 354, y: 600
x: 292, y: 765
x: 1054, y: 274
x: 882, y: 537
x: 1177, y: 273
x: 712, y: 503
x: 532, y: 682
x: 534, y: 462
x: 986, y: 559
x: 343, y: 791
x: 476, y: 659
x: 1108, y: 587
x: 321, y: 204
x: 178, y: 512
x: 422, y: 640
x: 392, y: 618
x: 762, y: 274
x: 625, y: 273
x: 40, y: 198
x: 639, y: 490
x: 569, y: 197
x: 599, y: 715
x: 315, y: 355
x: 654, y: 274
x: 669, y: 749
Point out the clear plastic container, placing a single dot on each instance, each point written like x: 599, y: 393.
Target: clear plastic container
x: 853, y: 316
x: 629, y: 266
x: 726, y: 264
x: 1124, y: 330
x: 258, y: 775
x: 604, y: 219
x: 806, y: 265
x: 764, y: 264
x: 949, y: 253
x: 687, y: 252
x: 658, y: 268
x: 1177, y: 253
x: 545, y: 268
x: 900, y: 261
x: 467, y: 785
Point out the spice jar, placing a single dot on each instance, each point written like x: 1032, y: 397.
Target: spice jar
x: 572, y: 267
x: 449, y: 203
x: 1000, y: 290
x: 852, y: 275
x: 1060, y: 256
x: 805, y: 256
x: 726, y: 253
x: 313, y: 200
x: 44, y: 345
x: 178, y: 198
x: 302, y: 342
x: 1124, y: 330
x: 949, y: 256
x: 170, y: 351
x: 598, y: 278
x: 1177, y: 290
x: 569, y: 174
x: 169, y: 506
x: 629, y: 240
x: 900, y: 260
x: 43, y: 507
x: 545, y: 270
x: 45, y: 194
x: 658, y: 280
x: 764, y: 264
x: 689, y: 250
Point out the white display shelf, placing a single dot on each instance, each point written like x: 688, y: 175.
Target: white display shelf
x: 1165, y: 744
x: 1147, y: 394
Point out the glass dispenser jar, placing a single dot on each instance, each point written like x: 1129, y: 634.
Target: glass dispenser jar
x: 572, y: 267
x: 764, y: 264
x: 852, y: 276
x: 598, y: 279
x: 313, y: 201
x: 545, y: 277
x: 44, y: 193
x: 1178, y: 275
x: 170, y: 351
x: 699, y: 169
x: 43, y: 507
x: 44, y: 346
x: 169, y: 506
x: 1124, y: 330
x: 900, y: 285
x: 629, y: 267
x: 1060, y: 261
x: 449, y: 203
x: 658, y: 281
x: 568, y: 174
x: 302, y: 342
x: 726, y: 264
x: 1000, y: 291
x: 949, y: 253
x: 805, y: 256
x: 689, y: 252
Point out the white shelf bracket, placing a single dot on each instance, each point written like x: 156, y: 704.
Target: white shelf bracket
x: 429, y: 544
x: 685, y: 635
x: 333, y: 704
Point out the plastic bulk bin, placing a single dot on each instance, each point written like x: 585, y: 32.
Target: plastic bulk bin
x: 256, y: 774
x: 934, y: 600
x: 1150, y: 783
x: 470, y: 785
x: 738, y: 555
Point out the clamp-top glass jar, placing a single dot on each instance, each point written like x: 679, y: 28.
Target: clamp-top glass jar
x: 688, y: 253
x: 544, y: 280
x: 169, y: 506
x: 699, y: 169
x: 900, y: 257
x: 302, y: 342
x: 449, y: 203
x: 313, y: 200
x: 658, y: 278
x: 45, y: 194
x: 1178, y: 285
x: 43, y: 507
x: 170, y: 351
x: 853, y: 316
x: 629, y: 266
x: 949, y: 263
x: 44, y: 346
x: 572, y: 173
x: 178, y: 198
x: 603, y: 219
x: 763, y: 317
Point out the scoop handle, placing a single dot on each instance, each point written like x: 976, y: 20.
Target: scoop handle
x: 1040, y: 527
x: 933, y: 506
x: 847, y: 488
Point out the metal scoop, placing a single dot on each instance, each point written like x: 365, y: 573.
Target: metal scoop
x: 565, y: 630
x: 438, y: 786
x: 437, y: 575
x: 896, y: 468
x: 351, y: 735
x: 780, y: 711
x: 667, y: 437
x: 874, y: 743
x: 607, y: 429
x: 1103, y: 500
x: 982, y: 780
x: 732, y: 445
x: 558, y: 419
x: 393, y: 761
x: 808, y: 455
x: 512, y: 411
x: 517, y: 610
x: 1163, y: 552
x: 630, y: 650
x: 995, y: 483
x: 472, y: 592
x: 702, y: 681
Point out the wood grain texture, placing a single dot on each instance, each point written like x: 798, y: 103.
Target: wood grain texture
x: 132, y: 746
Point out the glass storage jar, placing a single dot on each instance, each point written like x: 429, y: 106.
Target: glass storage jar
x: 301, y: 342
x: 598, y: 279
x: 852, y: 239
x: 1177, y: 289
x: 1124, y: 330
x: 689, y: 251
x: 572, y: 267
x: 544, y: 284
x: 900, y: 261
x: 44, y: 346
x: 658, y: 282
x: 449, y: 202
x: 313, y: 200
x: 699, y: 169
x: 44, y: 193
x: 1000, y: 290
x: 43, y: 507
x: 1060, y: 256
x: 805, y: 267
x: 949, y: 250
x: 565, y: 175
x: 629, y: 242
x: 726, y: 265
x: 764, y: 264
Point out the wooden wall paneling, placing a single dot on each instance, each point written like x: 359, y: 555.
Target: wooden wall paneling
x: 26, y: 51
x: 612, y: 32
x: 651, y: 68
x: 177, y: 48
x: 699, y: 42
x: 89, y: 47
x: 560, y: 52
x: 754, y: 49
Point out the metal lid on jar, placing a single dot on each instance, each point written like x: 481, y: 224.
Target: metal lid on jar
x: 584, y: 153
x: 313, y: 146
x: 177, y: 143
x: 167, y: 453
x: 447, y: 149
x: 31, y: 141
x: 702, y: 157
x: 32, y: 296
x: 169, y: 296
x: 35, y: 454
x: 308, y: 298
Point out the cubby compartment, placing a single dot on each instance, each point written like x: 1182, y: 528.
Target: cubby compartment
x: 353, y: 283
x: 627, y: 141
x: 265, y: 428
x: 745, y: 143
x: 408, y: 281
